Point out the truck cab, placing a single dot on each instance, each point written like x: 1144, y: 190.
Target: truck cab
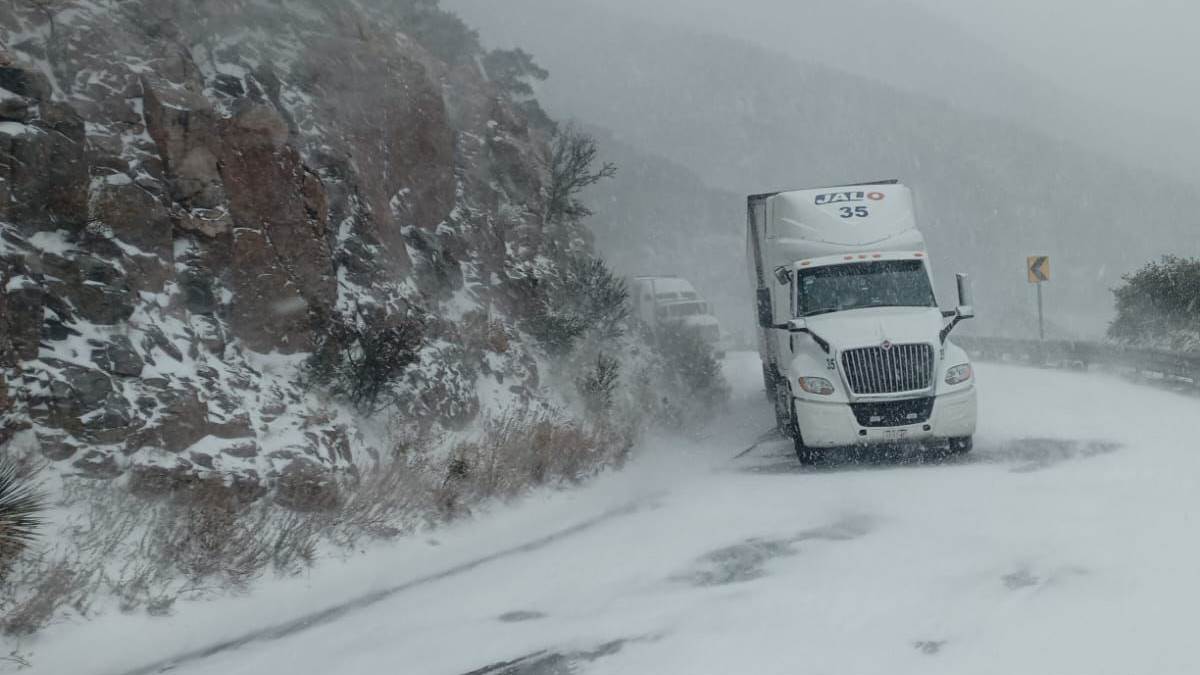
x: 660, y: 301
x: 855, y: 350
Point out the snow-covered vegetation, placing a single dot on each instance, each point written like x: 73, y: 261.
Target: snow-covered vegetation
x: 283, y: 279
x: 1159, y: 305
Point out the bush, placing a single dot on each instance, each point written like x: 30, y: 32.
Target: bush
x: 20, y: 513
x: 361, y: 357
x: 692, y: 371
x: 510, y: 70
x: 571, y: 171
x: 599, y: 385
x: 522, y: 449
x: 148, y: 552
x: 583, y: 296
x: 1159, y: 305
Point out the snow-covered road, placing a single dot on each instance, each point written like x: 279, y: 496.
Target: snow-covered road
x: 1067, y: 542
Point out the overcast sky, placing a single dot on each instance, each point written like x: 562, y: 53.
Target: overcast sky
x: 1122, y: 50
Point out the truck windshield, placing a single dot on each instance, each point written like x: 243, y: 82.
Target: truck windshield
x: 891, y: 283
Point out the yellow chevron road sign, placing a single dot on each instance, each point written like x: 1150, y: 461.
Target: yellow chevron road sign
x: 1038, y: 267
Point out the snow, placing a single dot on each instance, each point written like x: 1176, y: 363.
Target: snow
x: 19, y: 282
x: 57, y: 242
x: 1065, y: 543
x: 18, y: 129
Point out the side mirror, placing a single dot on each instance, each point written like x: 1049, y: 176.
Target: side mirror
x: 965, y: 309
x: 966, y: 300
x: 783, y: 275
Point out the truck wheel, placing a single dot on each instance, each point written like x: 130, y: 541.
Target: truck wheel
x: 807, y: 456
x: 962, y: 445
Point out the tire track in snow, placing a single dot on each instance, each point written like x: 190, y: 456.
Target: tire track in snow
x: 336, y: 612
x: 765, y: 436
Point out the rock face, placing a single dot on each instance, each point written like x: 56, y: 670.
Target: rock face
x: 183, y: 184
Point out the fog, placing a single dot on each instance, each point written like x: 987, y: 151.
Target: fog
x: 1119, y: 75
x: 1061, y: 129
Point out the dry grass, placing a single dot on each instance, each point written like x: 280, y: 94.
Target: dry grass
x: 147, y: 552
x: 58, y: 586
x: 521, y: 450
x: 388, y: 500
x: 207, y: 538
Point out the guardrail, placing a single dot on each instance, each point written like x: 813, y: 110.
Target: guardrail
x: 1082, y: 355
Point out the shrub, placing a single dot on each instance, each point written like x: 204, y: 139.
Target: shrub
x: 1159, y: 305
x: 582, y: 296
x: 361, y: 357
x: 510, y: 70
x: 522, y: 449
x: 571, y: 170
x: 54, y: 589
x: 599, y: 385
x: 691, y: 371
x: 20, y: 512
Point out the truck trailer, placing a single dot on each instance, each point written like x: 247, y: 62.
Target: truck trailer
x: 853, y: 346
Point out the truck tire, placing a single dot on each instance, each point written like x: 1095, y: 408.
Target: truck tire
x: 961, y: 445
x: 807, y: 456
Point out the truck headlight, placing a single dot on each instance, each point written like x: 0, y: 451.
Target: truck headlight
x: 958, y: 374
x: 816, y: 385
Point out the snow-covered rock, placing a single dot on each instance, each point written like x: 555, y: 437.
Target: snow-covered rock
x: 182, y: 184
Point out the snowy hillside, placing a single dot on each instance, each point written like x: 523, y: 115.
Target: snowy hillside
x: 280, y: 278
x: 186, y: 193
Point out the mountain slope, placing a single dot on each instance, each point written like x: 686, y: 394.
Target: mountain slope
x: 748, y: 120
x: 196, y: 196
x: 914, y: 47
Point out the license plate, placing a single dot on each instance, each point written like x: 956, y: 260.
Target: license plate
x: 895, y: 433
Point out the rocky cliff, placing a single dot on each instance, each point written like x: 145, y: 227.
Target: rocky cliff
x: 185, y: 184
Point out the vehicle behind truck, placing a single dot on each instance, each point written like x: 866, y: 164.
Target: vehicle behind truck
x: 668, y: 301
x: 853, y: 346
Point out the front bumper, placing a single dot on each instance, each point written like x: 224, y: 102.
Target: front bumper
x: 827, y: 425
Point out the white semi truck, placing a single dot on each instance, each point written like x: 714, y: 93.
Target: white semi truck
x: 854, y: 348
x: 672, y: 301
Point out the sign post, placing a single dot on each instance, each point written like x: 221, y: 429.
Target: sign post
x: 1038, y: 269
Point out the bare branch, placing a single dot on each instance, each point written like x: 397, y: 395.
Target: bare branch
x: 570, y: 172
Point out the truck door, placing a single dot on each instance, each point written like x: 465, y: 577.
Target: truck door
x: 784, y: 303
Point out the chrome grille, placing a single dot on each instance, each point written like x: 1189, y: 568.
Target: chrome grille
x: 875, y: 370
